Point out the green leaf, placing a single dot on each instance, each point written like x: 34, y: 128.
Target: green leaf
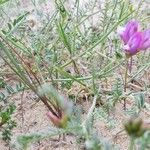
x: 14, y: 22
x: 140, y: 98
x: 2, y: 83
x: 3, y: 1
x: 25, y: 140
x: 9, y: 26
x: 9, y: 89
x: 67, y: 75
x: 2, y: 96
x: 118, y: 55
x: 20, y: 18
x: 4, y: 32
x: 17, y: 22
x: 64, y: 37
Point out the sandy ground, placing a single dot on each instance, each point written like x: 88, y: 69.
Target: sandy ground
x: 31, y: 115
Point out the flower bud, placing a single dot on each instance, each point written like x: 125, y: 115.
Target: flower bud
x: 134, y: 128
x: 58, y: 122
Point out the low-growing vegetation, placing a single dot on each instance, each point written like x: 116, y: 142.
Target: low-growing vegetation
x: 74, y: 74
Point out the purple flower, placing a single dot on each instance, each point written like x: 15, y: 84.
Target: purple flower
x: 146, y: 40
x: 134, y: 41
x: 130, y: 29
x: 134, y: 44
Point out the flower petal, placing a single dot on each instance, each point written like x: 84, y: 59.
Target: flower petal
x: 146, y: 40
x: 54, y: 119
x: 134, y: 44
x: 128, y: 31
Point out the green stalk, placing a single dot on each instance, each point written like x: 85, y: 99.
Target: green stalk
x: 89, y: 115
x: 132, y: 144
x: 99, y: 41
x: 125, y: 82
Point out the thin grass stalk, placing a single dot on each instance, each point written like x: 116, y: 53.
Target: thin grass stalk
x: 27, y: 82
x: 99, y: 41
x: 25, y: 66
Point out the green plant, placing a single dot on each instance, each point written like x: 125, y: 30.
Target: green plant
x: 7, y: 109
x: 6, y: 122
x: 2, y: 83
x: 70, y: 52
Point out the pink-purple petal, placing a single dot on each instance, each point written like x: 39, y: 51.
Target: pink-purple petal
x: 134, y: 44
x: 130, y: 29
x: 134, y: 40
x: 146, y: 40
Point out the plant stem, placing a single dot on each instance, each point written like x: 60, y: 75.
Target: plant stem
x: 130, y: 64
x: 125, y: 83
x: 89, y: 115
x: 98, y: 42
x: 131, y: 144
